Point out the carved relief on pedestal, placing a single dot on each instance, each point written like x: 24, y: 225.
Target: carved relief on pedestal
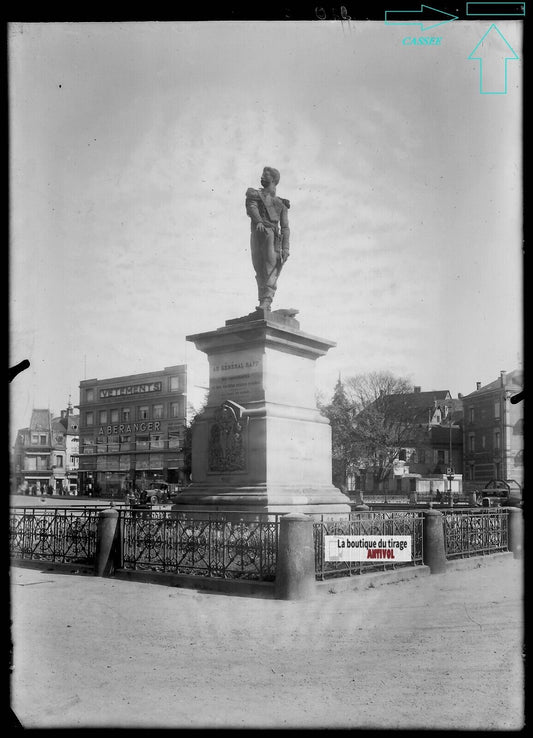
x: 226, y: 444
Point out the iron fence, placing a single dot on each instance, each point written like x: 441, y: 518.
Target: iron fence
x: 401, y: 498
x: 382, y: 523
x: 53, y: 534
x: 229, y: 546
x: 475, y: 532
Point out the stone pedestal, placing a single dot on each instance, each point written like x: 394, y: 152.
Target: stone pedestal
x: 261, y: 444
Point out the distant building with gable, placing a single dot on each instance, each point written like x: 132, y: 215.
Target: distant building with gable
x: 45, y: 454
x: 434, y: 444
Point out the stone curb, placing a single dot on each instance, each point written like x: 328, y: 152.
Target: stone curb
x: 249, y: 588
x: 371, y: 580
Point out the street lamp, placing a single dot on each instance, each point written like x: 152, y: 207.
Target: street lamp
x: 450, y: 470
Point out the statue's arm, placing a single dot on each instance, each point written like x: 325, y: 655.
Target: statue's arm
x: 285, y: 230
x: 252, y: 206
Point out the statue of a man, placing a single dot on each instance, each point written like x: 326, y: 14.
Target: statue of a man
x: 270, y: 234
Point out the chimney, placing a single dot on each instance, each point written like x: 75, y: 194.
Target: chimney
x: 478, y: 385
x: 63, y: 413
x: 460, y: 395
x: 417, y: 390
x: 503, y: 375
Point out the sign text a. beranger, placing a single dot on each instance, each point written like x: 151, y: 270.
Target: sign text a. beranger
x: 131, y: 389
x: 151, y: 425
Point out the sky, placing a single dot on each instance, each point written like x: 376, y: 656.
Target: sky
x: 131, y: 148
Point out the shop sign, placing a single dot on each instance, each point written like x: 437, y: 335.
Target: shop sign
x: 131, y: 389
x: 125, y: 428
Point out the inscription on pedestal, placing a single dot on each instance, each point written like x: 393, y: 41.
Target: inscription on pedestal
x: 240, y: 380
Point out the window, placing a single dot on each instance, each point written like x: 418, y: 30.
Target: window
x: 156, y: 441
x: 126, y: 414
x: 174, y: 439
x: 422, y: 456
x: 72, y: 459
x: 401, y: 455
x: 497, y: 409
x: 112, y: 444
x: 483, y: 441
x: 471, y: 472
x: 497, y: 440
x: 471, y: 442
x: 497, y: 470
x: 114, y: 416
x: 142, y: 443
x: 103, y: 417
x: 176, y: 383
x: 34, y: 439
x: 440, y: 458
x: 88, y: 446
x: 158, y: 411
x: 176, y: 409
x: 42, y: 440
x: 471, y: 414
x: 89, y: 395
x: 142, y: 412
x: 59, y: 461
x: 89, y: 418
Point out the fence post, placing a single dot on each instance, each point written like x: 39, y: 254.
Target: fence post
x: 515, y: 531
x: 433, y: 541
x: 295, y: 571
x: 105, y: 538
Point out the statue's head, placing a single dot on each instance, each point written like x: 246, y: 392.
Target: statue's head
x: 270, y: 175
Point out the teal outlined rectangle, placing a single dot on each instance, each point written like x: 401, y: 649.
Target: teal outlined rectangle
x: 508, y: 10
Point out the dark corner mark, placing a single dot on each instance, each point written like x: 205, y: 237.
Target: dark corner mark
x: 14, y: 370
x: 517, y: 398
x: 14, y: 722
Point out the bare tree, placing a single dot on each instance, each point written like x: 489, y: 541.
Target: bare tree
x: 384, y: 419
x: 371, y: 419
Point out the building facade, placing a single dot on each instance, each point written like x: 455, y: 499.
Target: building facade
x: 494, y: 430
x: 433, y: 439
x: 132, y: 430
x: 46, y: 453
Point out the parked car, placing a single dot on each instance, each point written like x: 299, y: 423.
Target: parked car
x: 501, y: 493
x: 157, y: 493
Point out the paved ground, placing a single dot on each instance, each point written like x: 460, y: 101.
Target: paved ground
x: 436, y: 652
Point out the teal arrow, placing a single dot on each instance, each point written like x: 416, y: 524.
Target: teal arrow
x: 493, y: 52
x: 423, y: 17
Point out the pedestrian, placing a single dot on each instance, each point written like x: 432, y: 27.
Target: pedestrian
x: 34, y: 489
